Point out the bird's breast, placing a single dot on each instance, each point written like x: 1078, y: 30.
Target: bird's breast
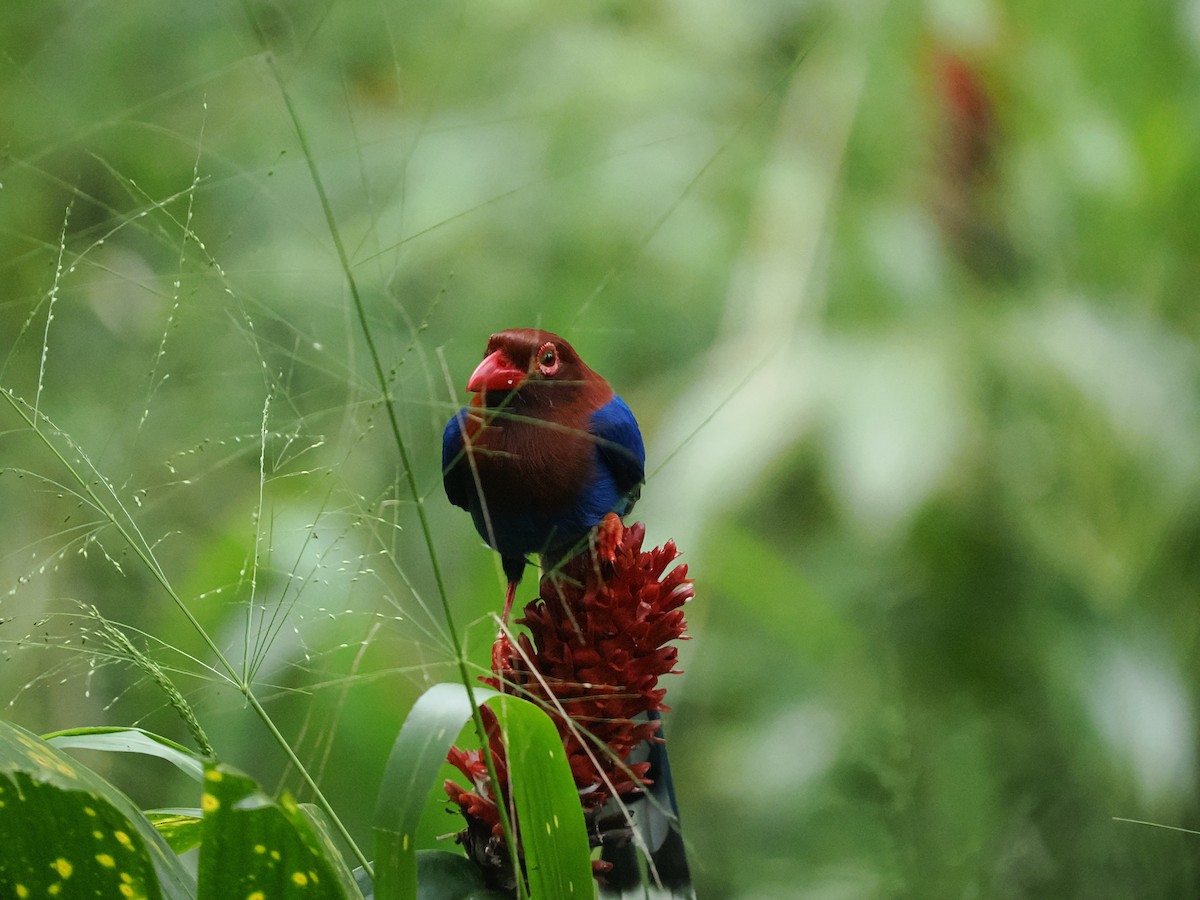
x: 530, y: 464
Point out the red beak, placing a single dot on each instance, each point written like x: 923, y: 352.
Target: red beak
x: 495, y: 373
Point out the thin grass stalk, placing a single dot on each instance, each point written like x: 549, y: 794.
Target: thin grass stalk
x: 137, y: 544
x: 397, y: 436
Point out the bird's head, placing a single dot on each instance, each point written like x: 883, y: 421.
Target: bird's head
x: 529, y: 362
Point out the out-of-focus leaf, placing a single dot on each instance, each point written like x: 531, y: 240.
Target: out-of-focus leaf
x: 440, y: 876
x: 417, y: 755
x: 449, y: 876
x: 68, y: 832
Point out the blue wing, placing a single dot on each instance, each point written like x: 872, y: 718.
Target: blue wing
x: 619, y: 444
x: 456, y: 475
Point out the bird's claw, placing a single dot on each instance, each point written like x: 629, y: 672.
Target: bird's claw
x: 502, y: 656
x: 608, y: 537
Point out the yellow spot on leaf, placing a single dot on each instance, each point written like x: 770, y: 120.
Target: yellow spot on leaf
x: 256, y: 895
x: 213, y: 775
x: 405, y: 841
x: 22, y: 891
x: 98, y: 835
x: 548, y: 828
x: 106, y: 860
x: 275, y: 854
x: 89, y: 811
x: 209, y: 803
x: 126, y: 890
x: 259, y: 848
x: 313, y: 876
x: 299, y: 878
x: 123, y: 839
x: 63, y: 867
x: 55, y: 889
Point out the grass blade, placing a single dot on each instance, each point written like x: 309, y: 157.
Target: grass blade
x: 130, y: 740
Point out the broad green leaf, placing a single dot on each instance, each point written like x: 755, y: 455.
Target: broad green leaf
x: 417, y: 756
x: 256, y: 847
x: 130, y: 740
x: 69, y: 833
x: 554, y: 838
x: 553, y: 834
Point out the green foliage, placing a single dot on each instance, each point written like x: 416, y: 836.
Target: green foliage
x: 553, y: 838
x: 926, y: 433
x: 255, y: 846
x: 182, y: 831
x: 448, y: 876
x: 69, y: 833
x: 69, y: 819
x: 129, y: 740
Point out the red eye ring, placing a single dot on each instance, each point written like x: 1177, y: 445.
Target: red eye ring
x: 547, y: 359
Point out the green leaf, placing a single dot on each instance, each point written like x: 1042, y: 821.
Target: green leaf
x: 130, y: 740
x: 441, y: 876
x: 451, y: 876
x: 256, y: 847
x: 68, y: 832
x: 554, y: 837
x: 553, y: 833
x: 181, y: 830
x: 417, y: 756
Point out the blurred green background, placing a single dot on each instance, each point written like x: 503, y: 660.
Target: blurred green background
x: 903, y: 295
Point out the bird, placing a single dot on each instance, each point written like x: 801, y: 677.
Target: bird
x: 544, y: 451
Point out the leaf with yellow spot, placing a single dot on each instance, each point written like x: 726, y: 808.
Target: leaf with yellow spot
x: 181, y: 828
x: 70, y: 833
x: 252, y: 844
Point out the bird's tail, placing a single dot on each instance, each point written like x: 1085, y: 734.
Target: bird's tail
x: 654, y: 863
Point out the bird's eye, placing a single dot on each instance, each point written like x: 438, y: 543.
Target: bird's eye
x: 547, y: 359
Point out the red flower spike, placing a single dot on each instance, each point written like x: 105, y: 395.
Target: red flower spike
x: 595, y: 649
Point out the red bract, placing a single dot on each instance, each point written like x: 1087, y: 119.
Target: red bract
x: 596, y: 646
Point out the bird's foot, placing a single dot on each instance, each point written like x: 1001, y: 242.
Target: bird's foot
x: 608, y: 537
x: 510, y: 594
x: 502, y: 657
